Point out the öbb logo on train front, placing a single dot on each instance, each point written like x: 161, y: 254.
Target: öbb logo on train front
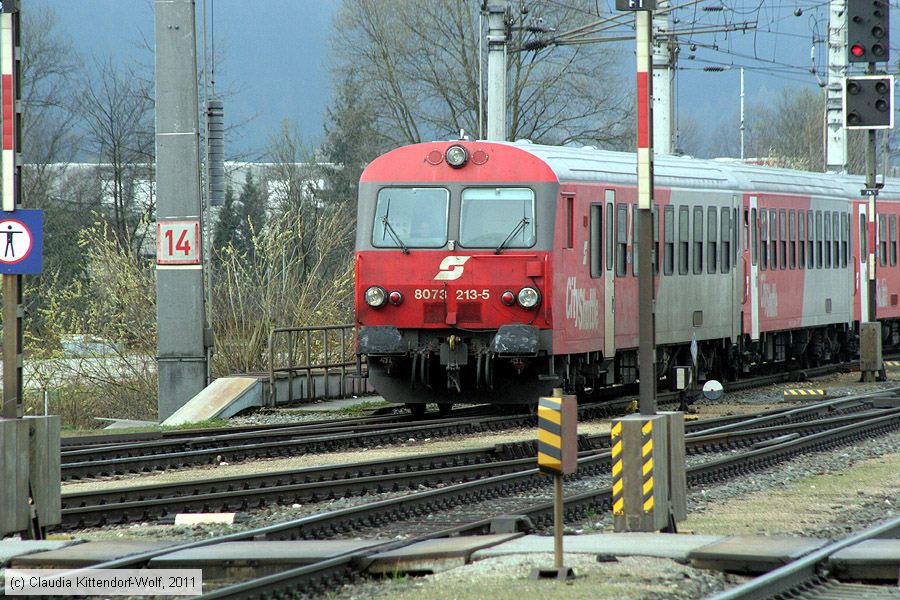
x: 451, y: 268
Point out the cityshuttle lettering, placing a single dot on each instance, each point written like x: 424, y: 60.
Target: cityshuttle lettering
x: 582, y: 306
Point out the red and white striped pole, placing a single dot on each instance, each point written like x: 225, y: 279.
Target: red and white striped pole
x: 11, y: 406
x: 646, y: 316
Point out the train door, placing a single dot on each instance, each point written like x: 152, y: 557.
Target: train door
x: 609, y: 324
x: 754, y: 270
x: 736, y: 274
x: 862, y: 281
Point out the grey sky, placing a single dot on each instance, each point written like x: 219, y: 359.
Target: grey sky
x: 274, y: 54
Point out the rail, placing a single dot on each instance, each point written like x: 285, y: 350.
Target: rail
x: 313, y: 352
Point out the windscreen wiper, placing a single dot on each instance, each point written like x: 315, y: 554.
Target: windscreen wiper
x: 520, y: 226
x: 390, y: 229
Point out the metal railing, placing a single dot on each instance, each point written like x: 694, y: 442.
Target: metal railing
x: 313, y: 352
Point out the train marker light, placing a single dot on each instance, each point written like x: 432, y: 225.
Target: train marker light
x: 457, y: 156
x: 395, y: 298
x: 529, y: 297
x: 508, y: 298
x: 375, y: 296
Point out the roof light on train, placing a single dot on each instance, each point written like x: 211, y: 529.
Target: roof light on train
x: 529, y: 297
x: 456, y: 156
x: 376, y: 296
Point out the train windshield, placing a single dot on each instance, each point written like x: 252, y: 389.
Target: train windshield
x: 497, y: 218
x: 411, y: 217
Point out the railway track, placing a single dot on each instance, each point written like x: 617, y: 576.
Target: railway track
x: 321, y: 577
x: 810, y: 578
x: 245, y: 492
x: 89, y: 459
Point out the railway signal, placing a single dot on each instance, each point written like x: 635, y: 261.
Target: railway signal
x: 868, y: 101
x: 868, y: 34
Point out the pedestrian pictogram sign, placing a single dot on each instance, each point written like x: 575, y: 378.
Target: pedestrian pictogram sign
x: 178, y: 242
x: 21, y: 242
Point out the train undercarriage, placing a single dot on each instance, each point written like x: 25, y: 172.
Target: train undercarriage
x: 509, y: 367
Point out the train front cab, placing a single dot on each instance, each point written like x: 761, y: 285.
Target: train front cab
x: 453, y: 271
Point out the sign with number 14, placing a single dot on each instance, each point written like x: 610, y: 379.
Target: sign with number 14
x: 178, y: 242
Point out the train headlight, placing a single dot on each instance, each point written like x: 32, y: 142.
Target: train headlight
x: 456, y: 156
x: 376, y: 296
x: 395, y: 298
x: 529, y: 297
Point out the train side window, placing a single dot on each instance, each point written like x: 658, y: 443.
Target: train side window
x: 773, y: 241
x: 698, y: 240
x: 570, y: 221
x: 863, y: 241
x: 668, y: 240
x: 596, y: 240
x: 712, y: 236
x: 635, y: 228
x: 735, y: 233
x: 827, y: 239
x: 810, y: 240
x: 801, y: 238
x: 792, y: 231
x: 621, y: 239
x: 609, y: 233
x: 782, y: 237
x: 893, y: 234
x: 655, y: 256
x: 727, y: 232
x: 882, y: 240
x: 845, y: 238
x: 836, y: 240
x: 818, y: 239
x: 763, y: 239
x: 684, y: 239
x: 754, y: 238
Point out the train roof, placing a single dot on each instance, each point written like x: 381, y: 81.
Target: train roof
x: 587, y: 164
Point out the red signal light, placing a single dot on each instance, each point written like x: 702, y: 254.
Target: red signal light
x: 857, y: 50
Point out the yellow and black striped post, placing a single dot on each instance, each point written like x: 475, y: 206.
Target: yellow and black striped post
x: 640, y: 477
x: 618, y: 501
x: 558, y: 434
x: 557, y: 454
x: 647, y: 467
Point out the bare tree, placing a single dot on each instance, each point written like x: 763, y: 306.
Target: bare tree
x: 416, y: 62
x: 116, y: 108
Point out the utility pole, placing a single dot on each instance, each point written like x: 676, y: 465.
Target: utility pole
x: 742, y: 113
x: 835, y: 134
x: 496, y: 94
x: 663, y: 70
x: 181, y: 318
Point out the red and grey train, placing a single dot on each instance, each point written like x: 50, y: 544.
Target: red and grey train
x: 494, y: 272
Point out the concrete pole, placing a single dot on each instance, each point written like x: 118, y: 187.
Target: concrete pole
x: 742, y: 113
x: 663, y: 69
x: 181, y: 319
x: 645, y: 125
x: 836, y: 135
x: 496, y: 92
